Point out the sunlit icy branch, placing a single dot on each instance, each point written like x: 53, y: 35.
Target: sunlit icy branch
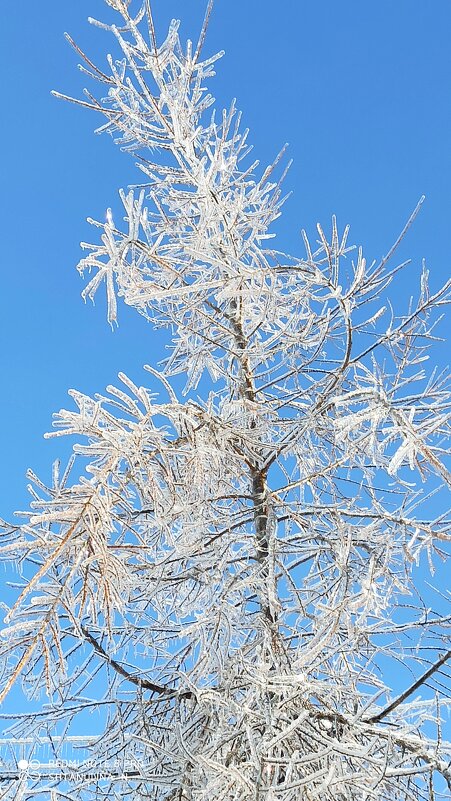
x: 234, y: 579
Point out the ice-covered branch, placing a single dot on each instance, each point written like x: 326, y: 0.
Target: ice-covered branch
x: 231, y: 580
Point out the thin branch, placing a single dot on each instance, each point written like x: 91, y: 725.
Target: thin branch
x: 143, y: 684
x: 413, y: 687
x: 203, y: 31
x: 401, y: 236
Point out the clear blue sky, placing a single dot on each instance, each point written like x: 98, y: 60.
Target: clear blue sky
x: 361, y: 91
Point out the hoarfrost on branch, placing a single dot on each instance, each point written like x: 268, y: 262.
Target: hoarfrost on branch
x: 230, y: 581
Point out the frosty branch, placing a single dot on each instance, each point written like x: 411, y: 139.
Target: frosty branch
x: 231, y: 580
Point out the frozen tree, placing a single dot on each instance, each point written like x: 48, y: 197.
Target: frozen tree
x: 231, y: 582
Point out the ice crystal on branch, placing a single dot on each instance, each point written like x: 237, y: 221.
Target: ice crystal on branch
x: 231, y: 580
